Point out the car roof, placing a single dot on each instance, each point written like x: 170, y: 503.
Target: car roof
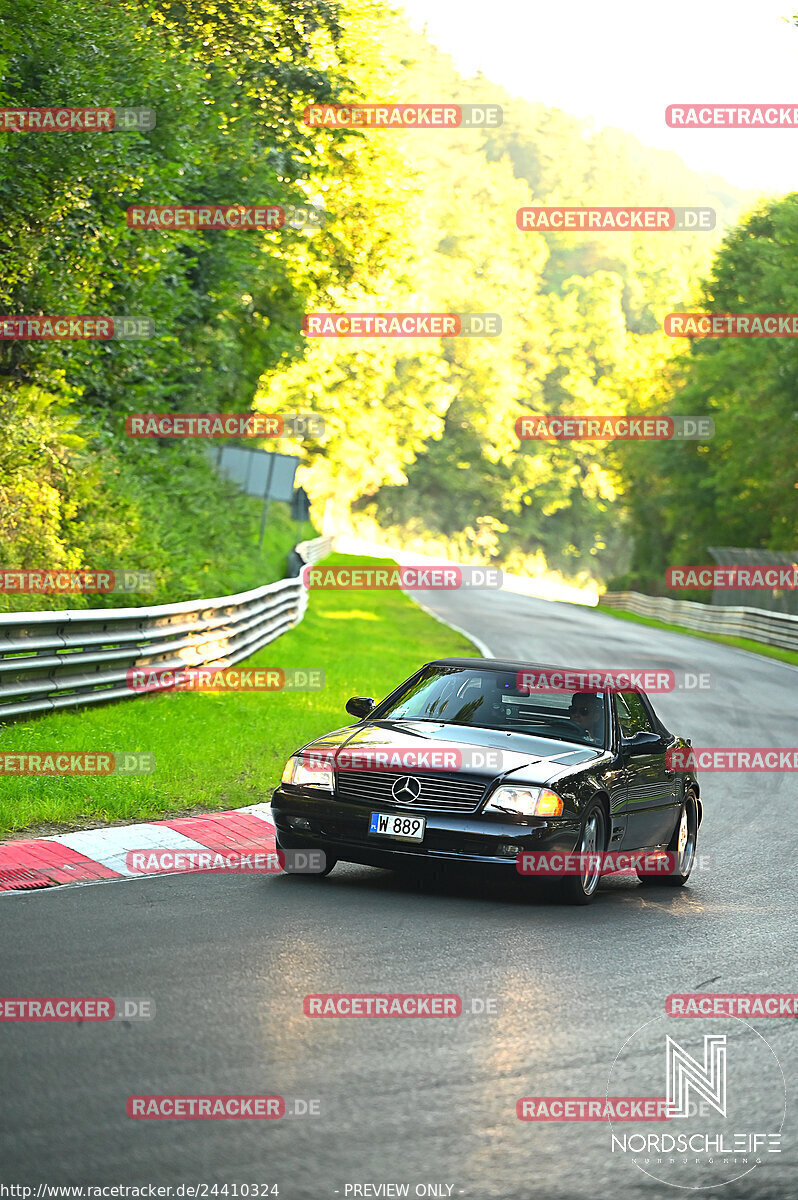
x: 504, y: 664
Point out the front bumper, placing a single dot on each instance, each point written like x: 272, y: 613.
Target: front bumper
x: 341, y: 829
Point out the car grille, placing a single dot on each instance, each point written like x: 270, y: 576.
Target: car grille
x: 457, y: 793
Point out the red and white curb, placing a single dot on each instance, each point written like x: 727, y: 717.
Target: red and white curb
x: 93, y: 854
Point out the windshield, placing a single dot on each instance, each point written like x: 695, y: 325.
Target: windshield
x: 492, y: 700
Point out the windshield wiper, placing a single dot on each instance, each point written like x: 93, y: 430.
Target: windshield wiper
x: 433, y: 720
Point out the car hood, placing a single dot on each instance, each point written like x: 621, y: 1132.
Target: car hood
x: 529, y: 759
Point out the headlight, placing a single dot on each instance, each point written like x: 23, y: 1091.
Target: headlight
x: 525, y: 802
x: 309, y: 772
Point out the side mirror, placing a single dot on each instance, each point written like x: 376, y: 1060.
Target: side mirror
x: 643, y: 742
x: 360, y: 706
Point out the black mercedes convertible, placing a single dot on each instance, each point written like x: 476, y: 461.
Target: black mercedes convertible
x: 465, y: 762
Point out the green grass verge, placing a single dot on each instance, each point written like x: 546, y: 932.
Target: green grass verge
x: 788, y: 656
x: 218, y: 750
x: 197, y: 533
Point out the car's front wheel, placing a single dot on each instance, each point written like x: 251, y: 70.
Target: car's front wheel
x: 682, y: 846
x: 330, y: 860
x: 579, y: 889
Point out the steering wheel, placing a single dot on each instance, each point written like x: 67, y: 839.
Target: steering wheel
x: 570, y: 724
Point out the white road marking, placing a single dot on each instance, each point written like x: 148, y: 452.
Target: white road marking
x: 110, y: 846
x: 264, y: 811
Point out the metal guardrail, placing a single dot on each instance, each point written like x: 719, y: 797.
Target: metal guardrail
x: 55, y: 660
x: 772, y: 628
x: 780, y: 600
x: 312, y: 551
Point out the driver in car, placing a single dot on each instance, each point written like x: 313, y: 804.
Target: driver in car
x: 587, y: 711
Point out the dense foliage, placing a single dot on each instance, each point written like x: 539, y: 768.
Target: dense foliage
x: 420, y: 436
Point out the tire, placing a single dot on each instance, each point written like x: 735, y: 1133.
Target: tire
x: 682, y: 844
x: 330, y: 862
x: 580, y: 889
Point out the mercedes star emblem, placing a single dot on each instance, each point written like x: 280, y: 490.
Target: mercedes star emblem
x: 406, y: 790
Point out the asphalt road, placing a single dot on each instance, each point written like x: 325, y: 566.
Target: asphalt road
x: 419, y: 1102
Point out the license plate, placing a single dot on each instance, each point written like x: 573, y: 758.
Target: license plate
x: 397, y: 825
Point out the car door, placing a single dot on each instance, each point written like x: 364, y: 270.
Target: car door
x: 652, y: 793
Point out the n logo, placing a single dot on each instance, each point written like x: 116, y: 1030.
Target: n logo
x: 684, y: 1073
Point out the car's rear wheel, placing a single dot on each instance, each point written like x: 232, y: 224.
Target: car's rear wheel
x: 682, y: 846
x: 579, y: 889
